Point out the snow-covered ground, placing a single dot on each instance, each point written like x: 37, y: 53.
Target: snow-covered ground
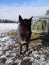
x: 8, y: 26
x: 9, y: 50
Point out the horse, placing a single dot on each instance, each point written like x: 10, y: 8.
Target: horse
x: 24, y: 32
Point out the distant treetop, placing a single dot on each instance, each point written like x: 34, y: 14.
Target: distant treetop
x: 47, y: 12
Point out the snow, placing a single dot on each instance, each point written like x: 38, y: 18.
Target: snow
x: 4, y: 38
x: 8, y: 26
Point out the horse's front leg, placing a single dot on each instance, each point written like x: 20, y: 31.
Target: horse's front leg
x: 27, y: 45
x: 20, y: 49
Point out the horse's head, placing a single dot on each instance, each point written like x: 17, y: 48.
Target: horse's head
x: 25, y: 27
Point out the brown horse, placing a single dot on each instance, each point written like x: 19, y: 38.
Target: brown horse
x: 25, y: 32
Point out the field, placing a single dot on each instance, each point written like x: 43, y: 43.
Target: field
x: 38, y: 52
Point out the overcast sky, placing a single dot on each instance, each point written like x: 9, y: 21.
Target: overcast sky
x: 10, y: 9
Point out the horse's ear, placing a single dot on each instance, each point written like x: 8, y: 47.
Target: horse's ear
x: 30, y: 18
x: 20, y: 18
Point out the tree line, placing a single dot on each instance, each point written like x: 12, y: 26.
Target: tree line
x: 7, y: 21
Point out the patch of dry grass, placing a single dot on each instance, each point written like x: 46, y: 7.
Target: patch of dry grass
x: 34, y: 40
x: 35, y: 35
x: 13, y: 33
